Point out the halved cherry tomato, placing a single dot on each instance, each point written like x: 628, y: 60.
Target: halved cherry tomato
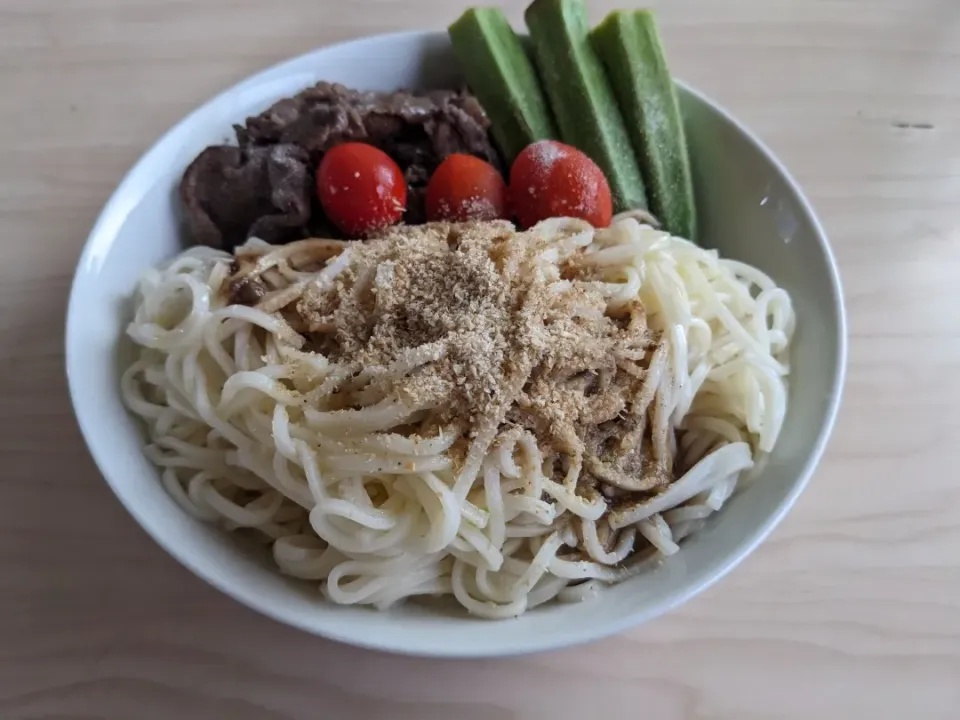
x: 549, y: 179
x: 361, y: 188
x: 465, y: 188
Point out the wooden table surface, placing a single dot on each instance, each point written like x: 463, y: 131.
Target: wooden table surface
x: 850, y: 610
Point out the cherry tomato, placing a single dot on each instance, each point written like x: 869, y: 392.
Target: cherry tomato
x: 465, y: 188
x: 361, y: 188
x: 549, y: 179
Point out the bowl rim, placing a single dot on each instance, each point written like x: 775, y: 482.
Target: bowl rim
x: 86, y: 416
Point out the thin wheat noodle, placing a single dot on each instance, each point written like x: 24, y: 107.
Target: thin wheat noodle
x: 371, y: 475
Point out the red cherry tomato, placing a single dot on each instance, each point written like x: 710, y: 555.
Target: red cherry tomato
x: 549, y: 179
x: 361, y: 188
x: 465, y: 188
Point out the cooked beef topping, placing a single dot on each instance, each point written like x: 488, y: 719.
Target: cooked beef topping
x: 233, y: 193
x: 440, y: 121
x: 265, y: 187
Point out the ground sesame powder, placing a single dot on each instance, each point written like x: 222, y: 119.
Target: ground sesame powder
x: 463, y: 314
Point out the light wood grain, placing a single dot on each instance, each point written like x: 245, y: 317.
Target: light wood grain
x: 851, y: 609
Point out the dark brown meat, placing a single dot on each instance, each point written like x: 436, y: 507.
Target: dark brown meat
x: 264, y: 188
x: 233, y: 193
x: 440, y: 122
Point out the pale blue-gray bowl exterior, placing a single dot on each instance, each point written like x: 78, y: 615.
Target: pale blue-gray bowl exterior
x: 749, y: 208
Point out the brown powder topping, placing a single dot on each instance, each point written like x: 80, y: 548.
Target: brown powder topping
x: 426, y: 293
x: 468, y: 320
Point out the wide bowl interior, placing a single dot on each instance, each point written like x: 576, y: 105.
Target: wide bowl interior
x: 749, y: 209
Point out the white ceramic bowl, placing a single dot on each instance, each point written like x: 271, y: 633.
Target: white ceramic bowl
x: 749, y: 208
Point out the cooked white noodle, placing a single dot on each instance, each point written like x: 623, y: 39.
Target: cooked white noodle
x: 239, y: 420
